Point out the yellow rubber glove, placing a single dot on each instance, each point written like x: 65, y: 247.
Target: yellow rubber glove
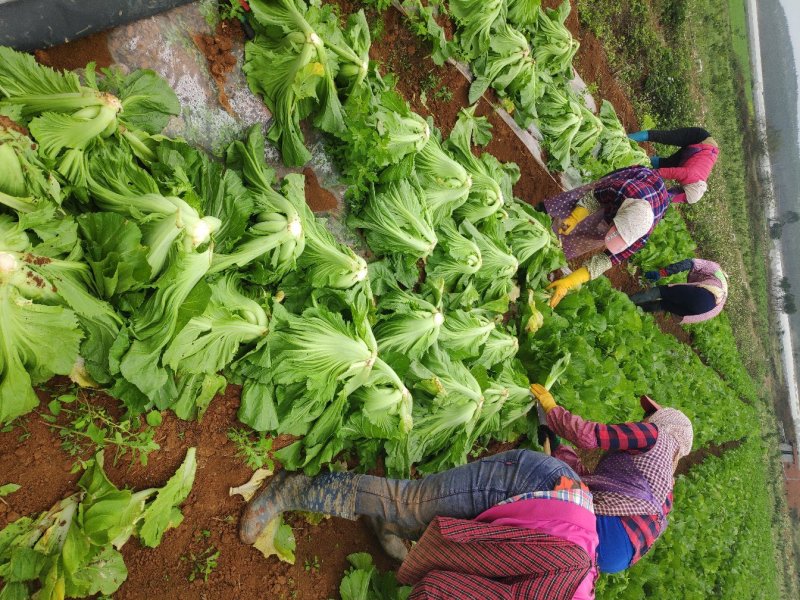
x: 561, y: 286
x: 545, y: 398
x: 571, y: 222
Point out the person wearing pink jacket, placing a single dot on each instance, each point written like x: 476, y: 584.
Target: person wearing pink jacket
x: 690, y: 166
x: 699, y: 299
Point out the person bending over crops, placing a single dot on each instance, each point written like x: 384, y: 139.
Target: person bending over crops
x: 632, y: 484
x: 690, y: 166
x: 516, y: 525
x: 699, y: 299
x: 616, y: 213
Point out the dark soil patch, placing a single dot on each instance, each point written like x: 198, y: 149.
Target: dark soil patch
x: 77, y: 54
x: 217, y: 50
x: 698, y: 456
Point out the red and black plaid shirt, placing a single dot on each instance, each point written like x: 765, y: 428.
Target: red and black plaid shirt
x: 632, y: 437
x: 642, y: 530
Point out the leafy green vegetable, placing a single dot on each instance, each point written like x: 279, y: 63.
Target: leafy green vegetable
x: 276, y: 239
x: 363, y: 581
x: 553, y: 44
x: 63, y: 115
x: 508, y: 67
x: 528, y: 232
x: 486, y: 195
x: 464, y: 333
x: 293, y: 63
x: 478, y: 18
x: 329, y: 263
x: 277, y: 539
x: 396, y: 221
x: 444, y: 182
x: 162, y: 513
x: 409, y: 323
x: 209, y: 342
x: 32, y: 316
x: 456, y: 257
x: 25, y: 183
x: 560, y: 119
x: 498, y: 348
x: 523, y: 13
x: 154, y: 326
x: 495, y: 279
x: 8, y: 488
x: 72, y: 550
x: 114, y: 252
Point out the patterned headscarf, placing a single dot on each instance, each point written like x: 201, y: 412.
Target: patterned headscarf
x: 677, y: 425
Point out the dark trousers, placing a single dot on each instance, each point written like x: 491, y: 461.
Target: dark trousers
x: 682, y: 300
x: 683, y: 136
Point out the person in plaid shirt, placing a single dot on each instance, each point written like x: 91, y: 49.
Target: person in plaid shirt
x: 632, y: 484
x: 518, y: 525
x: 616, y: 214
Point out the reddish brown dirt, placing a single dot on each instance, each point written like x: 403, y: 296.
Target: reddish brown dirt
x: 77, y: 54
x: 217, y: 50
x: 42, y: 469
x: 317, y: 197
x: 698, y: 456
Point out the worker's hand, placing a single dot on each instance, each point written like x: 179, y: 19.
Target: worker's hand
x: 545, y: 398
x: 561, y: 286
x: 571, y: 222
x: 639, y: 136
x: 652, y: 276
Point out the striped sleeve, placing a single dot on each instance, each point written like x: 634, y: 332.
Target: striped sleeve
x: 626, y: 436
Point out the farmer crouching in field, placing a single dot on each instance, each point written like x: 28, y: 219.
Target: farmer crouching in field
x: 616, y: 214
x: 632, y: 484
x: 699, y: 299
x: 690, y: 166
x: 516, y: 525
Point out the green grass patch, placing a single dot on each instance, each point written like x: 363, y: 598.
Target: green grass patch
x: 741, y: 45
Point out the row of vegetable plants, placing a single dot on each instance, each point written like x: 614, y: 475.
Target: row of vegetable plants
x: 164, y: 273
x: 715, y: 342
x: 615, y: 354
x: 524, y: 52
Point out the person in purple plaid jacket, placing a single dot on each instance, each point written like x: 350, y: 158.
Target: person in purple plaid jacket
x: 616, y: 214
x: 518, y: 525
x: 632, y: 484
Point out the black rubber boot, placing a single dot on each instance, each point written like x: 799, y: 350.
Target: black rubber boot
x: 330, y: 494
x: 647, y: 296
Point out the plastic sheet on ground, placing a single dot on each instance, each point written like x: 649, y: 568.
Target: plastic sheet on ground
x: 164, y: 44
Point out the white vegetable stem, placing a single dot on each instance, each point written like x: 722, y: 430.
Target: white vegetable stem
x: 8, y: 264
